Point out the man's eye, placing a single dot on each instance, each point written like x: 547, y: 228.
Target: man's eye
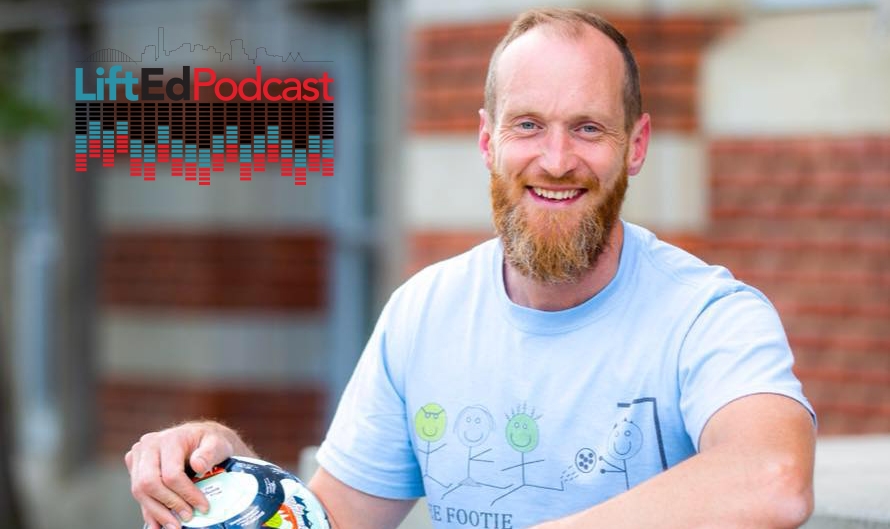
x: 527, y: 125
x: 589, y: 129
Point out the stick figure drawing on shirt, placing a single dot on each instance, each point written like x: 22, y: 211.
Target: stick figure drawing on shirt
x: 624, y: 442
x: 472, y: 427
x: 429, y: 424
x: 522, y: 436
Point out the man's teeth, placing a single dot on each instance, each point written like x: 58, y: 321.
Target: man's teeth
x: 556, y: 195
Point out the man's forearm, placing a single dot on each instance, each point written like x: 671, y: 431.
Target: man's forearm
x: 748, y: 491
x: 755, y: 471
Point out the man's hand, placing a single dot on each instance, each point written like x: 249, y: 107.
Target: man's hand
x: 157, y: 469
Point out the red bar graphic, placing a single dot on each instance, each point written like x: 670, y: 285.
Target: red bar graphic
x: 245, y: 171
x: 177, y: 166
x: 327, y: 167
x: 149, y: 171
x: 135, y: 166
x: 204, y: 176
x: 314, y: 162
x: 273, y: 153
x: 191, y: 170
x: 163, y: 153
x: 218, y: 162
x: 107, y: 157
x: 80, y: 163
x: 300, y: 176
x: 259, y: 162
x: 231, y: 153
x: 120, y: 143
x: 287, y: 167
x: 95, y: 148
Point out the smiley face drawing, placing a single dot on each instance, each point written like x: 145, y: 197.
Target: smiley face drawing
x: 625, y: 440
x: 430, y: 421
x: 473, y: 425
x: 522, y: 432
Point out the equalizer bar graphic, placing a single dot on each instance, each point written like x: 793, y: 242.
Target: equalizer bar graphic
x: 200, y: 138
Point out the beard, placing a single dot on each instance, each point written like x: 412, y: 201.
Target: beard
x: 555, y: 247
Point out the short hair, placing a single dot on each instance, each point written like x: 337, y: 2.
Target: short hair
x: 572, y: 21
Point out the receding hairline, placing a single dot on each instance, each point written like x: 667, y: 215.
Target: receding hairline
x: 570, y: 24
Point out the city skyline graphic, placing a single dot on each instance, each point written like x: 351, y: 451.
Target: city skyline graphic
x: 199, y: 138
x: 157, y: 52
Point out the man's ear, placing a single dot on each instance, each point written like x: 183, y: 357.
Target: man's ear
x: 485, y: 130
x: 638, y: 144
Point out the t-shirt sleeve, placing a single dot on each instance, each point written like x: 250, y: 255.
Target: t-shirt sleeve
x: 736, y: 347
x: 368, y: 446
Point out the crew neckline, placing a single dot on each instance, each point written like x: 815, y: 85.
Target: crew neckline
x: 553, y: 322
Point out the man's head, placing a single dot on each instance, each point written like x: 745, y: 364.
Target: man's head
x: 571, y: 23
x: 561, y: 131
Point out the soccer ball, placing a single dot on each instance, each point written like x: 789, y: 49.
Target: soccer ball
x: 247, y: 493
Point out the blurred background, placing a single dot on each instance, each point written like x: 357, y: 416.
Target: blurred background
x: 127, y: 306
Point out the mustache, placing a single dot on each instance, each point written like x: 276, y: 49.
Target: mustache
x: 590, y: 183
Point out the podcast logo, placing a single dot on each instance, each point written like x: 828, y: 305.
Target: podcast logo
x: 199, y: 119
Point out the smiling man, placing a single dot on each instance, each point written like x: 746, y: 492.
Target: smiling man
x: 618, y: 381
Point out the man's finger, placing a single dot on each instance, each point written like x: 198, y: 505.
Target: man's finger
x: 211, y: 450
x: 158, y: 516
x: 187, y: 496
x: 149, y: 489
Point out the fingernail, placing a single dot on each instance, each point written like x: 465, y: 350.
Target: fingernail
x: 170, y: 526
x: 204, y: 509
x: 185, y: 515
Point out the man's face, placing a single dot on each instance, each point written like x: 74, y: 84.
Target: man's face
x: 558, y: 151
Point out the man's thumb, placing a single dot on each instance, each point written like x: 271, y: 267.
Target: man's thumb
x: 198, y: 462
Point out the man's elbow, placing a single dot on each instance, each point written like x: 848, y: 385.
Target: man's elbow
x: 790, y: 484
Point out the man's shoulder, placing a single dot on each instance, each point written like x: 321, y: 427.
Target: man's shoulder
x: 667, y: 263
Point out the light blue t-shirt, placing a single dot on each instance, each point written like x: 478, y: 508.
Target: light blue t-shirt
x: 506, y: 416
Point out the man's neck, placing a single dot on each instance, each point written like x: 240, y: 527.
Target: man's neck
x: 552, y: 297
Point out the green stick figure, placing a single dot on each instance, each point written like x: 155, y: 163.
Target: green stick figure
x: 522, y: 435
x: 429, y: 424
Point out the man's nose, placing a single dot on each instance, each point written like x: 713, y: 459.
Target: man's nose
x: 557, y: 155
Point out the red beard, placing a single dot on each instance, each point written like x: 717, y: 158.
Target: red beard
x: 554, y: 246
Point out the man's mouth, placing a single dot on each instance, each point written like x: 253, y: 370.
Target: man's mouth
x: 562, y: 195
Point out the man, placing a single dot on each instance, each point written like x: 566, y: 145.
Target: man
x: 574, y: 373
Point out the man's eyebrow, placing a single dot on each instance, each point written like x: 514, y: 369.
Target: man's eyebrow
x: 576, y: 118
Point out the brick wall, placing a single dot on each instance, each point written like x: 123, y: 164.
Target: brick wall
x: 807, y: 220
x: 450, y: 62
x: 198, y: 270
x: 277, y: 421
x: 209, y: 272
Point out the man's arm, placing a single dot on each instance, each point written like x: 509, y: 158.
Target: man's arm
x: 754, y: 470
x: 349, y: 508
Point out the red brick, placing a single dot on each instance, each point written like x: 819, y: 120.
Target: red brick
x: 277, y: 421
x: 428, y: 247
x: 214, y: 270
